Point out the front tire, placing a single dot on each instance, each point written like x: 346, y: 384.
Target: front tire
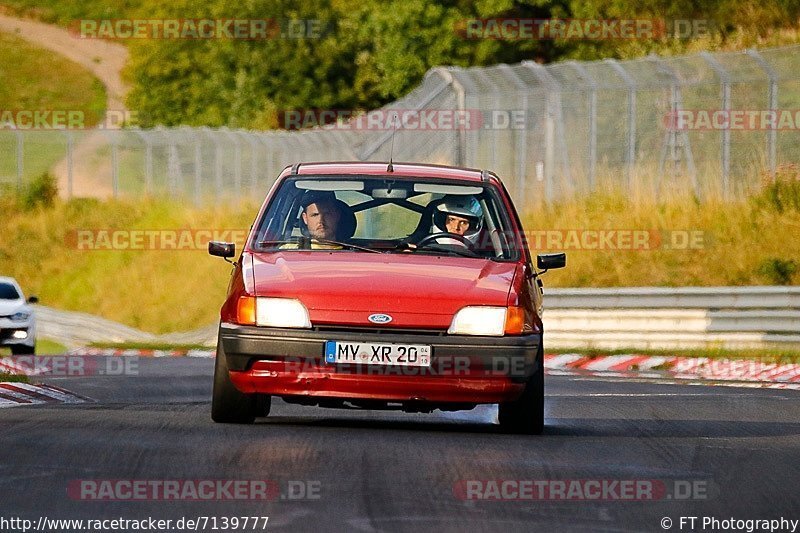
x: 22, y: 349
x: 526, y: 414
x: 228, y: 405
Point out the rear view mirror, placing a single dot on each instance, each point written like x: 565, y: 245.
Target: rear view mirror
x: 33, y: 300
x: 387, y: 193
x: 548, y: 261
x: 222, y: 249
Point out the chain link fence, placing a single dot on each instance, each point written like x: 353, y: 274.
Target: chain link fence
x: 715, y: 125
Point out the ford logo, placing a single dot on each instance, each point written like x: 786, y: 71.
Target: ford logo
x: 379, y: 318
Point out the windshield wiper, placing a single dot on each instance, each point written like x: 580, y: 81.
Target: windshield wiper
x: 296, y: 240
x: 347, y: 245
x: 463, y: 253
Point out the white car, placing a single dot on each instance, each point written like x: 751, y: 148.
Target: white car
x: 17, y: 318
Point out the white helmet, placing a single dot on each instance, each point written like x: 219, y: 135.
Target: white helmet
x: 466, y: 207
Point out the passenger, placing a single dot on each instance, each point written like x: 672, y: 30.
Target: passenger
x: 459, y: 215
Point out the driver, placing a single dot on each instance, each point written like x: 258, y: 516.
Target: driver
x: 321, y: 215
x: 459, y: 215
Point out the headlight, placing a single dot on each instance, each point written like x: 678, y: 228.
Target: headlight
x: 491, y: 321
x: 479, y: 321
x: 273, y: 312
x: 281, y: 313
x: 21, y: 316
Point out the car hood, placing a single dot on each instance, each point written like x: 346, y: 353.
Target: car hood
x: 417, y: 291
x: 9, y: 307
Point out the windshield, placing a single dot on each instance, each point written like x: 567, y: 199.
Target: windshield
x: 367, y: 214
x: 8, y: 292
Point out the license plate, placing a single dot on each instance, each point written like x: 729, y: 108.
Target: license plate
x: 370, y: 353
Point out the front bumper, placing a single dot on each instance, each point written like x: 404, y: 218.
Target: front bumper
x: 463, y: 369
x: 9, y: 327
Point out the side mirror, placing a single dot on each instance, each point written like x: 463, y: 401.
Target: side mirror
x: 222, y: 249
x: 33, y: 300
x: 548, y: 261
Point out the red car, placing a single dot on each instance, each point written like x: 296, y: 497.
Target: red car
x: 383, y: 286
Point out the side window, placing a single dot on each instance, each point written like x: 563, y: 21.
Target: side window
x: 276, y: 224
x: 499, y: 235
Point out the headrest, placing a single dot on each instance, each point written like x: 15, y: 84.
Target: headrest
x: 313, y: 197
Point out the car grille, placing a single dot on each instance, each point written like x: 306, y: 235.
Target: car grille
x: 380, y: 331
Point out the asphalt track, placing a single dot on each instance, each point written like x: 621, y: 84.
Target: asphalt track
x: 737, y: 449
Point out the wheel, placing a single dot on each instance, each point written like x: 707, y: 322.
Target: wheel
x: 228, y: 405
x: 263, y: 404
x: 526, y: 414
x: 425, y: 241
x: 22, y: 349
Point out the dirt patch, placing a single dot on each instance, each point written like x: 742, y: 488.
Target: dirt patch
x: 105, y: 60
x: 102, y: 58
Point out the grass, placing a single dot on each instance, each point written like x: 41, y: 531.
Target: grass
x: 33, y: 79
x: 13, y: 378
x: 155, y: 290
x: 50, y: 347
x: 44, y: 347
x: 64, y: 12
x: 748, y: 242
x: 149, y: 346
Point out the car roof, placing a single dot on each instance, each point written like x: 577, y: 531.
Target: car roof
x: 399, y: 170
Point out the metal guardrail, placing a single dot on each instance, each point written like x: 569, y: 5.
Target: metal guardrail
x: 616, y: 318
x: 766, y: 297
x: 74, y: 329
x: 672, y: 318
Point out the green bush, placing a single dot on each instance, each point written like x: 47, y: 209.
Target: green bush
x: 781, y: 194
x: 778, y: 271
x: 41, y: 191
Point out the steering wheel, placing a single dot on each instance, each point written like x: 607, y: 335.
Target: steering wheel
x: 445, y: 235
